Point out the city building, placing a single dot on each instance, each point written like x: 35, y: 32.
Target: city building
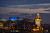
x: 13, y: 18
x: 1, y: 25
x: 39, y: 28
x: 38, y: 20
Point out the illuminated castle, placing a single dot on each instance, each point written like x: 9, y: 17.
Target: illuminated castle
x: 38, y: 20
x: 38, y: 23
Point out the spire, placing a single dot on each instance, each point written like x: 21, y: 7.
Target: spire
x: 37, y: 13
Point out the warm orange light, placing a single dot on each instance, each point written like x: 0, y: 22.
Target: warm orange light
x: 5, y: 27
x: 42, y: 28
x: 34, y: 29
x: 37, y: 29
x: 28, y: 21
x: 24, y: 28
x: 9, y: 28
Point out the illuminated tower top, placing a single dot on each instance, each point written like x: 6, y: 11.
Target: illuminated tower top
x: 38, y: 16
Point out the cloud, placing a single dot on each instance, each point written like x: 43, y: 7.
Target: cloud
x: 29, y: 8
x: 46, y: 10
x: 14, y: 13
x: 4, y: 3
x: 45, y: 5
x: 5, y: 10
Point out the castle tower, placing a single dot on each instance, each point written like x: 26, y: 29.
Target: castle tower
x: 38, y: 20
